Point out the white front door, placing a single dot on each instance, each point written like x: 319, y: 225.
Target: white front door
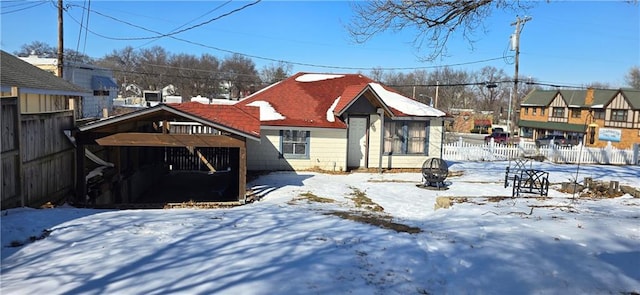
x: 357, y: 155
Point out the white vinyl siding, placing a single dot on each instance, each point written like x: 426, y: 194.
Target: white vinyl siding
x: 327, y: 151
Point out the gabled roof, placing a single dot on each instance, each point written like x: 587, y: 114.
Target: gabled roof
x: 539, y: 97
x: 241, y: 118
x: 315, y: 100
x: 633, y: 97
x: 243, y: 121
x: 603, y: 97
x: 574, y: 98
x: 15, y: 72
x: 578, y: 98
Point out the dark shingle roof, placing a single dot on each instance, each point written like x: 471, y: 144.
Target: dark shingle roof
x: 633, y: 96
x: 601, y: 97
x: 574, y: 97
x: 539, y: 97
x: 15, y: 72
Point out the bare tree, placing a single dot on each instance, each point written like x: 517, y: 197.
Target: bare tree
x: 599, y: 85
x: 633, y: 77
x: 434, y: 20
x: 124, y: 64
x: 196, y: 76
x: 492, y: 95
x: 240, y: 74
x: 275, y: 72
x: 376, y: 74
x: 45, y: 50
x: 449, y: 89
x: 38, y: 48
x: 153, y: 67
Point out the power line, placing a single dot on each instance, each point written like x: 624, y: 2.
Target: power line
x: 23, y: 8
x: 206, y: 13
x: 160, y: 35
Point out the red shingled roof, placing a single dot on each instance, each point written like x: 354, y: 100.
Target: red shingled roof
x: 305, y: 104
x: 245, y: 119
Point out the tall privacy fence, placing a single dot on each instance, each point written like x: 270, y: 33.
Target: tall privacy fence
x: 462, y: 151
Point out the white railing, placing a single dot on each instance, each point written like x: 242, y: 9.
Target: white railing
x: 462, y: 151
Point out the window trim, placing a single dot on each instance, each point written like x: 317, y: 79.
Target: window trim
x: 561, y: 111
x: 405, y: 138
x: 307, y: 148
x: 623, y: 111
x: 599, y: 114
x: 576, y: 113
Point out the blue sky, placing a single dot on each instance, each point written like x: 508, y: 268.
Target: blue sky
x: 567, y: 42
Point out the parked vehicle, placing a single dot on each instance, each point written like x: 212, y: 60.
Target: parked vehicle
x: 498, y: 137
x: 558, y: 140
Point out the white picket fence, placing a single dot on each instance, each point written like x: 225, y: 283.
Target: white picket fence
x: 462, y: 151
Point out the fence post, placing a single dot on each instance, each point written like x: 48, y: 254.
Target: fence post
x: 608, y: 152
x: 636, y: 154
x: 492, y: 148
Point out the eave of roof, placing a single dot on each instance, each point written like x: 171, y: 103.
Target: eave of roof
x: 580, y: 128
x: 31, y: 79
x: 196, y: 113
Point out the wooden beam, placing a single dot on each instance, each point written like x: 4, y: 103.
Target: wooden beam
x: 242, y: 177
x: 169, y: 140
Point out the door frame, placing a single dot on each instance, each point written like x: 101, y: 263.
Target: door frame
x: 366, y: 138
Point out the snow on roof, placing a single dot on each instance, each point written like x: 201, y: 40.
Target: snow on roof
x: 267, y: 112
x: 200, y: 99
x: 405, y: 104
x: 205, y: 100
x: 317, y: 77
x: 597, y: 106
x: 223, y: 101
x: 330, y: 116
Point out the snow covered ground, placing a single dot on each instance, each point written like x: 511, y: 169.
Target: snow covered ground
x: 294, y: 241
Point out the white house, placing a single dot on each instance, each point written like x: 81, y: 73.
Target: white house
x: 339, y: 122
x: 99, y: 80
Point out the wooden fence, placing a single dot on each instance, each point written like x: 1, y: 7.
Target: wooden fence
x: 462, y: 151
x: 37, y: 158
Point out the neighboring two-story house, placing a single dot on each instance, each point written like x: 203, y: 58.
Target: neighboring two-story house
x: 99, y: 80
x: 593, y: 117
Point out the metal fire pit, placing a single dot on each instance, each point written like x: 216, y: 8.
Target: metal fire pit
x: 434, y: 172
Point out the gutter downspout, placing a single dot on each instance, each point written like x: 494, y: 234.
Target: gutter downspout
x: 442, y: 139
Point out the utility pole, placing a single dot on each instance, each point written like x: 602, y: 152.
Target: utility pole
x: 60, y: 39
x: 515, y: 44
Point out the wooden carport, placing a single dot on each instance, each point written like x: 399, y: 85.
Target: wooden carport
x: 142, y: 143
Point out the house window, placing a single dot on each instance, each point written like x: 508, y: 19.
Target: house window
x: 598, y: 114
x: 526, y: 110
x: 406, y: 137
x: 294, y: 144
x: 101, y: 93
x: 619, y: 115
x: 557, y: 112
x: 534, y: 111
x: 575, y: 113
x: 542, y: 110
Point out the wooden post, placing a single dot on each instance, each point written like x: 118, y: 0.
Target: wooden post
x: 15, y: 91
x: 614, y: 186
x: 588, y: 182
x: 242, y: 173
